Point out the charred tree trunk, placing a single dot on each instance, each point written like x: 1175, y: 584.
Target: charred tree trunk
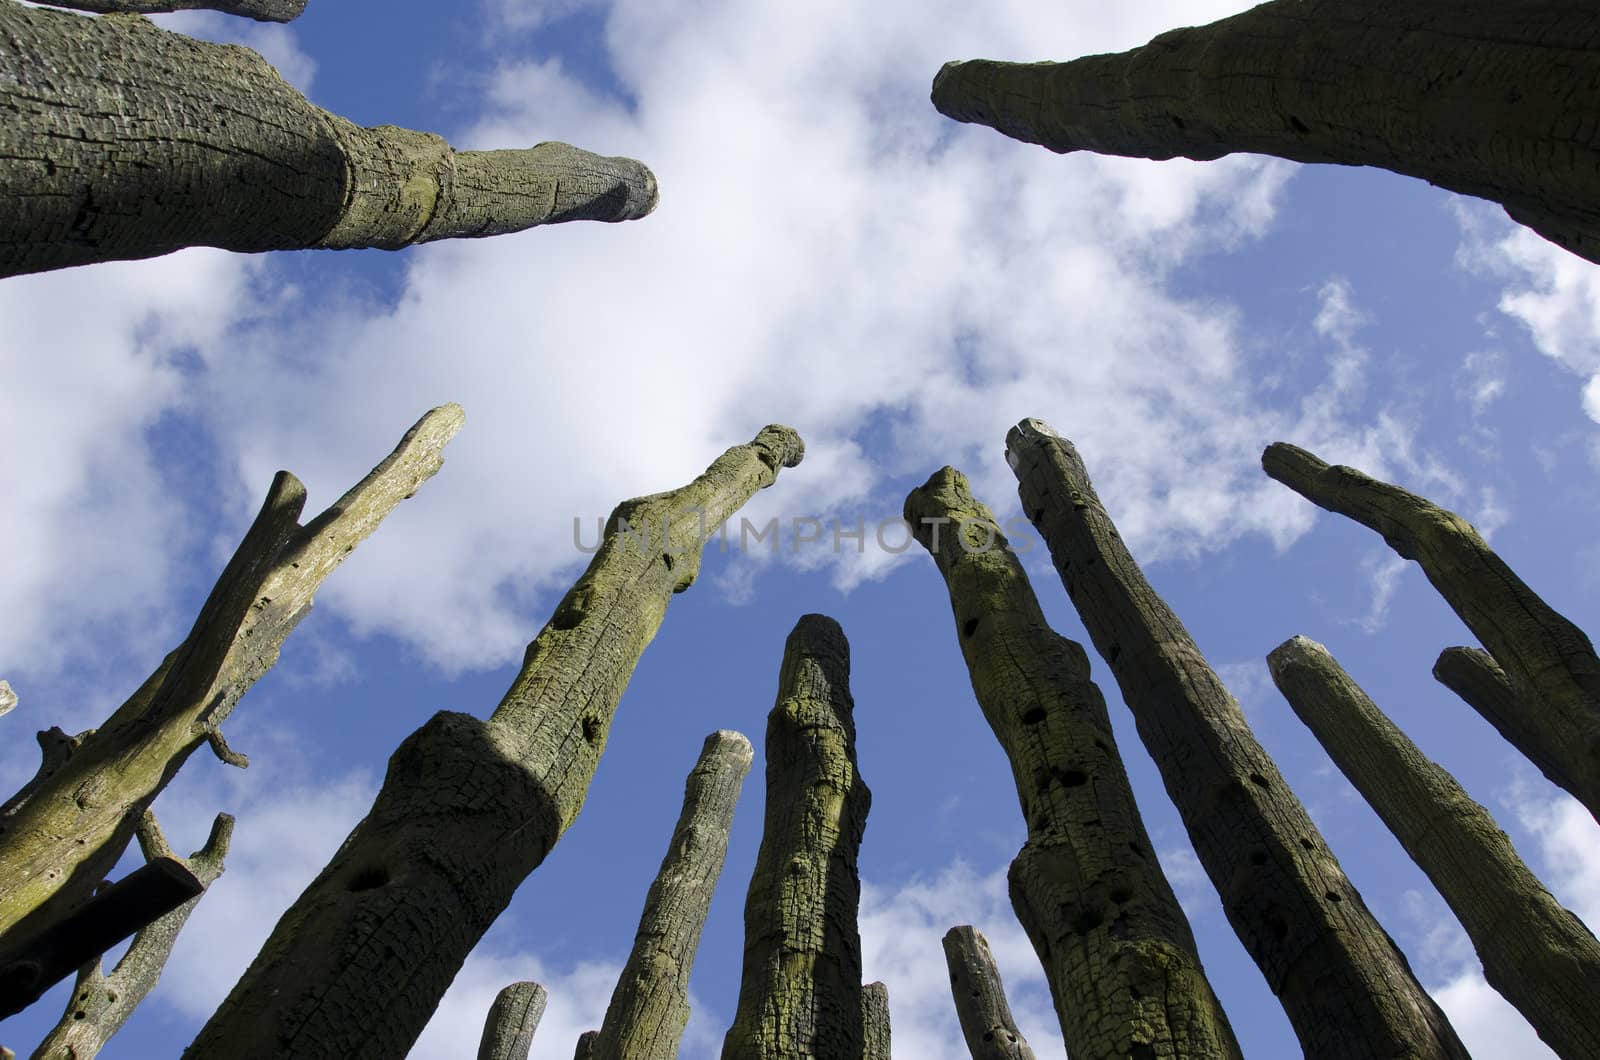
x: 1550, y: 662
x: 800, y: 991
x: 64, y: 832
x: 1476, y: 96
x: 1538, y: 955
x: 1116, y: 948
x: 102, y: 1003
x: 260, y: 10
x: 650, y: 1006
x: 119, y: 140
x: 875, y: 1022
x: 1472, y: 674
x: 514, y: 1016
x: 469, y: 807
x: 980, y: 998
x: 1346, y: 987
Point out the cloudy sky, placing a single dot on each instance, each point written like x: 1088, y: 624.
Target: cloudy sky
x: 829, y: 253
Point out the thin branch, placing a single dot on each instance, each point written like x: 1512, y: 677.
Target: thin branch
x: 101, y: 1004
x: 95, y: 797
x: 147, y: 893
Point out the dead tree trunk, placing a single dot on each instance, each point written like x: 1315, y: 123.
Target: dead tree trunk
x: 120, y: 140
x: 102, y: 1003
x: 260, y: 10
x: 514, y: 1016
x: 1116, y: 948
x: 64, y: 832
x: 1472, y: 674
x: 469, y: 807
x: 980, y: 998
x: 650, y: 1006
x: 1539, y: 956
x: 1550, y: 662
x: 1346, y: 987
x: 875, y: 1022
x: 1476, y: 96
x: 800, y: 991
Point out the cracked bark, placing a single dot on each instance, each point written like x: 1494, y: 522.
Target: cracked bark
x: 1549, y: 661
x: 100, y: 1003
x: 980, y: 998
x: 650, y: 1006
x: 514, y: 1016
x: 260, y: 10
x: 1538, y: 955
x: 1345, y: 986
x: 1472, y: 674
x: 62, y: 836
x: 468, y: 808
x: 1475, y: 96
x: 1116, y: 947
x: 121, y: 140
x: 875, y: 1022
x: 800, y: 991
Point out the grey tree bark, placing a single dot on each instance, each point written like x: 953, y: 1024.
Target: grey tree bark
x: 800, y: 990
x: 1472, y: 674
x: 1345, y: 986
x: 514, y: 1016
x: 875, y: 1037
x: 1537, y: 954
x: 1550, y: 662
x: 1116, y: 947
x: 650, y: 1006
x: 980, y: 998
x: 120, y: 140
x: 260, y: 10
x: 93, y: 789
x: 102, y: 1003
x: 1475, y: 96
x: 468, y: 808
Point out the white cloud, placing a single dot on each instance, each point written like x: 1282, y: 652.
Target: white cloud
x: 901, y: 929
x: 577, y: 1001
x: 1555, y: 294
x: 829, y: 252
x: 1482, y: 379
x: 93, y: 360
x: 1382, y: 570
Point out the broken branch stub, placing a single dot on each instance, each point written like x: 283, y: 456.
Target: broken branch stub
x: 469, y: 807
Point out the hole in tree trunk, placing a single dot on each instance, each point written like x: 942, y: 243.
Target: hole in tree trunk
x: 369, y: 879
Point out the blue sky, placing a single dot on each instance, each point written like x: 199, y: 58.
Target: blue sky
x: 829, y: 253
